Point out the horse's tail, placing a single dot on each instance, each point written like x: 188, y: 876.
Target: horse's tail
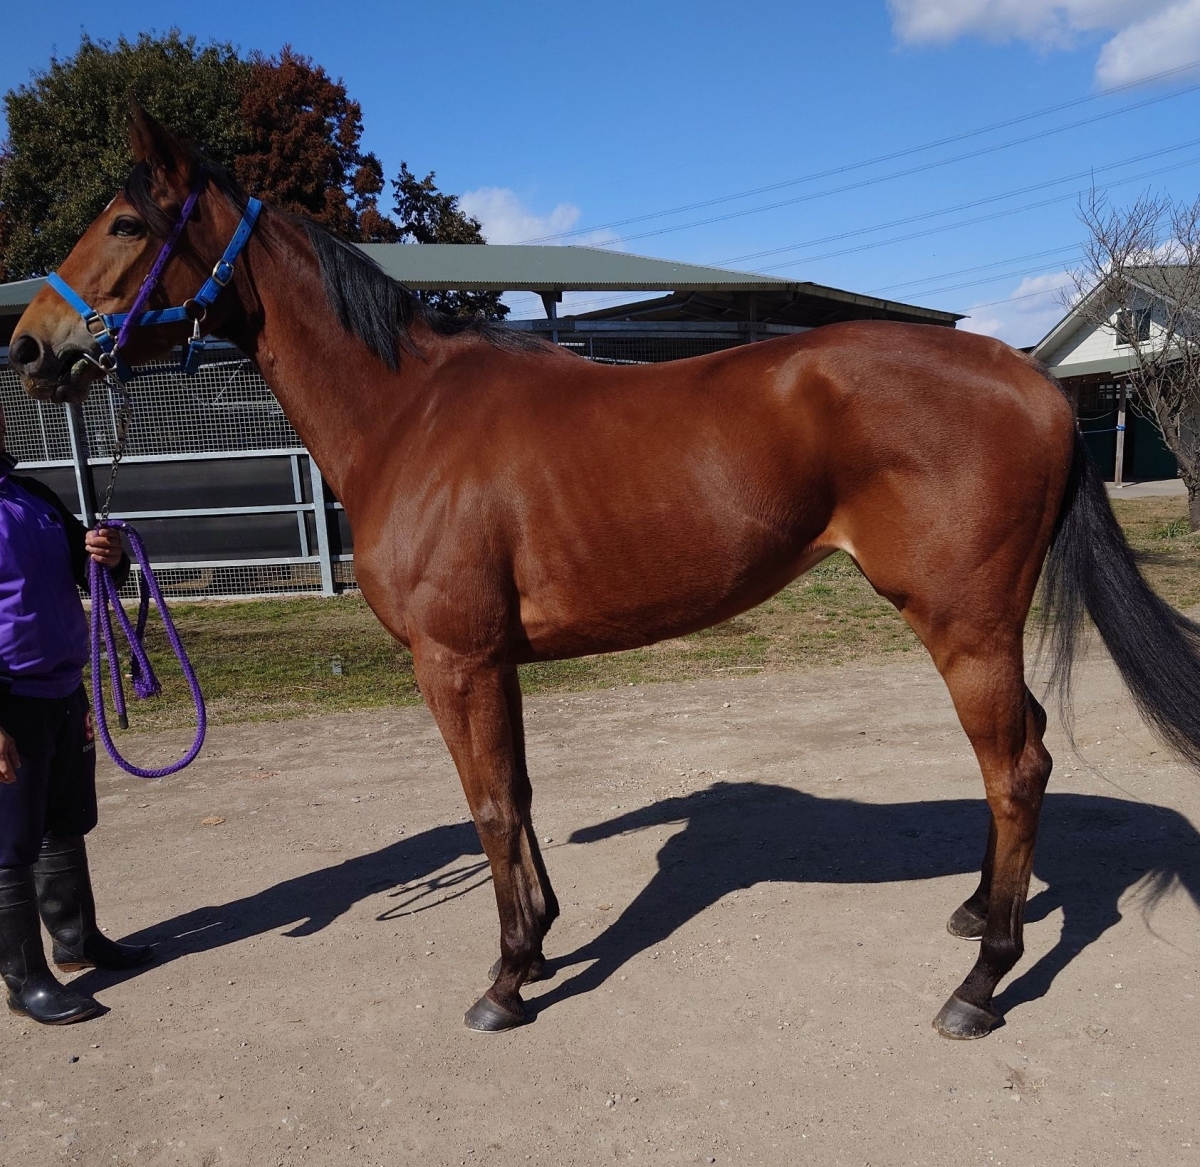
x: 1092, y: 569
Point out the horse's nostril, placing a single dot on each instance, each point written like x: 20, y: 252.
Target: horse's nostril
x: 24, y: 352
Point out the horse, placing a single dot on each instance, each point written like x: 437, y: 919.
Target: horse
x: 512, y: 502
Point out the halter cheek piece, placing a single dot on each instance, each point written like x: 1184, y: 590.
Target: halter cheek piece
x: 111, y: 330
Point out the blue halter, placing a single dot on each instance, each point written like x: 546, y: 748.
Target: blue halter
x: 110, y: 328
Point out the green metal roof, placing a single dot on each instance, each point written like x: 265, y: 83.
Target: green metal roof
x: 14, y: 297
x: 530, y: 268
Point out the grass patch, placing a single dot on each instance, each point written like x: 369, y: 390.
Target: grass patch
x: 271, y: 659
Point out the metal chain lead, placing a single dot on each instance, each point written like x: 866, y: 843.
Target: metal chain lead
x: 124, y: 420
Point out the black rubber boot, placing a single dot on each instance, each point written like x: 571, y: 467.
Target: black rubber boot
x: 32, y: 989
x: 64, y: 894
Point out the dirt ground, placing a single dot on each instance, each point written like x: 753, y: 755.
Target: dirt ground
x: 755, y: 876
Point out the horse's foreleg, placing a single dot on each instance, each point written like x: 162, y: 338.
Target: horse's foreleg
x: 474, y: 712
x: 1005, y: 724
x: 545, y: 901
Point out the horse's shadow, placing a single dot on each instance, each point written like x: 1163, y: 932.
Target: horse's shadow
x: 411, y: 869
x: 1091, y: 852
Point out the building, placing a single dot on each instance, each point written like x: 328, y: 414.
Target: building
x: 1093, y: 360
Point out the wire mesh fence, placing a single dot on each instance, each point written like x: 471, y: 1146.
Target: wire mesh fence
x: 225, y: 407
x: 220, y: 486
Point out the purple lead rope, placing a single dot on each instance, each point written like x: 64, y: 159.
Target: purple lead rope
x: 145, y: 684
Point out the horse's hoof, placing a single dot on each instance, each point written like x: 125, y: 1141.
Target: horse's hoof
x: 963, y: 1021
x: 485, y: 1016
x: 965, y: 924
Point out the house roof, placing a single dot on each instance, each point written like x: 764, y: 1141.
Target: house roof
x: 1164, y: 281
x: 804, y: 304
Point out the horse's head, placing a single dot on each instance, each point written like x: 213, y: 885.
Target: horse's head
x: 56, y: 352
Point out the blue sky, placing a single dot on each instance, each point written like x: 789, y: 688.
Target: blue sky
x: 550, y: 117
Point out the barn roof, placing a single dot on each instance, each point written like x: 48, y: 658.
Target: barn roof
x: 531, y: 268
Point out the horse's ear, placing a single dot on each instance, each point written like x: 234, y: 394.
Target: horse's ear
x: 170, y: 161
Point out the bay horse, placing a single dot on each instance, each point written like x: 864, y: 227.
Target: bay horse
x: 512, y: 502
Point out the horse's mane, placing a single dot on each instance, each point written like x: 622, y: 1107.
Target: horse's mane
x: 368, y: 303
x: 381, y: 311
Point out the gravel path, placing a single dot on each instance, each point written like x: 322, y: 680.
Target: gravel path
x: 754, y: 876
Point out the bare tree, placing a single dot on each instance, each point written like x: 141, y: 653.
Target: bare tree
x: 1140, y: 277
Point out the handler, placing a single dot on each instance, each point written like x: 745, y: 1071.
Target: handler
x: 47, y: 751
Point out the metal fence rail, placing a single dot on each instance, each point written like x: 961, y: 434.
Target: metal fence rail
x: 226, y: 497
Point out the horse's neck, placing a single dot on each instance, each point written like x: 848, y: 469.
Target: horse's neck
x: 337, y: 395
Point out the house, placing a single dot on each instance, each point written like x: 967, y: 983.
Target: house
x: 1093, y: 361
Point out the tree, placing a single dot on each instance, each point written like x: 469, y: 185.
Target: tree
x: 304, y: 148
x: 287, y: 131
x: 427, y: 215
x: 5, y: 219
x: 1140, y: 278
x: 69, y: 146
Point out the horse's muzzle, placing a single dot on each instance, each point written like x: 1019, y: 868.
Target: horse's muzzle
x: 50, y: 376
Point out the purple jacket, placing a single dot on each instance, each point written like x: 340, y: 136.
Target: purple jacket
x: 43, y: 631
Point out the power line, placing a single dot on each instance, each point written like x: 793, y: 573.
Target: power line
x: 1073, y: 177
x: 963, y: 271
x: 1022, y: 296
x: 1010, y: 275
x: 887, y: 158
x: 971, y: 221
x: 867, y: 182
x: 951, y: 210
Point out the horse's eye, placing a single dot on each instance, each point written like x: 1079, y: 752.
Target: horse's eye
x: 127, y: 227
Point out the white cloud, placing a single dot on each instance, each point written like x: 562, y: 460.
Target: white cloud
x: 1150, y: 36
x: 1029, y: 312
x: 1162, y: 41
x: 506, y: 219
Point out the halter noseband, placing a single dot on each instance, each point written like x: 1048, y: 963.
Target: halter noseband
x: 111, y: 329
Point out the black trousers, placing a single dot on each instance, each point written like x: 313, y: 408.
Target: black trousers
x: 55, y: 790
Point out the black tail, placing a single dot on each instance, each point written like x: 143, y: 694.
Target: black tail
x: 1092, y: 569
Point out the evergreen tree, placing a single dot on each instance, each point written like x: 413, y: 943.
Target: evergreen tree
x: 428, y: 215
x: 68, y: 148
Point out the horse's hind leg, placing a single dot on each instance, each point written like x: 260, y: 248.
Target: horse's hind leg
x: 474, y: 707
x: 1005, y: 725
x: 969, y: 920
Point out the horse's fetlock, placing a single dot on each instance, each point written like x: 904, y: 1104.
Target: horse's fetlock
x: 1001, y: 954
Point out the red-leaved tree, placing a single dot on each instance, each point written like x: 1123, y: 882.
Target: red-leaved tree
x: 304, y: 151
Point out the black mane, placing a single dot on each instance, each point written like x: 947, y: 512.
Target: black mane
x: 368, y: 303
x: 380, y: 311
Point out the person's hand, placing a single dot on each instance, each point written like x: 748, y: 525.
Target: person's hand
x: 9, y: 761
x: 104, y: 546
